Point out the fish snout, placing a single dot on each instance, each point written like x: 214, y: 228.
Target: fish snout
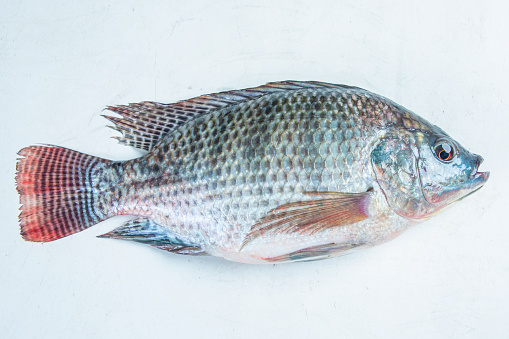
x: 475, y: 174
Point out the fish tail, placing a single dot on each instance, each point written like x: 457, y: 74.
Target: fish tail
x: 58, y: 190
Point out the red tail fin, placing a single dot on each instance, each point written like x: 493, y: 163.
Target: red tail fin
x: 56, y: 192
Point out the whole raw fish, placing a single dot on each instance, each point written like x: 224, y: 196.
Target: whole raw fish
x: 282, y: 172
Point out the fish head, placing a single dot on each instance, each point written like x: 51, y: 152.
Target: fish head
x: 423, y: 171
x: 447, y: 171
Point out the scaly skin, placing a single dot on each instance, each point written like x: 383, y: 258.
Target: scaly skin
x: 214, y: 177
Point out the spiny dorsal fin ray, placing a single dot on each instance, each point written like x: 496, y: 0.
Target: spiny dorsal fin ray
x: 142, y: 124
x: 312, y: 216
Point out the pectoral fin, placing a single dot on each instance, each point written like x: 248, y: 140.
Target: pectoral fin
x: 312, y: 216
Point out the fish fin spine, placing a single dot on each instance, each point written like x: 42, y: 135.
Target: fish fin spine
x: 143, y: 124
x: 146, y: 231
x: 57, y: 194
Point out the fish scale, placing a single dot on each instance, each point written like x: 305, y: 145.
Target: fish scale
x: 283, y: 172
x: 242, y: 197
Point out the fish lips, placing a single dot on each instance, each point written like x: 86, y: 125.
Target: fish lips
x: 476, y: 179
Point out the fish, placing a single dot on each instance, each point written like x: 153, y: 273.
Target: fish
x: 284, y: 172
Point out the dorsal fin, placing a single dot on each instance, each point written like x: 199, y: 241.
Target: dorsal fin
x: 142, y: 124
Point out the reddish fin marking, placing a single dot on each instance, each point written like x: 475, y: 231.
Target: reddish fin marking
x: 312, y: 216
x: 54, y: 184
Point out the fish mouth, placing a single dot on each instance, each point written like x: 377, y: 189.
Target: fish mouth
x: 476, y: 176
x: 483, y: 176
x: 477, y: 179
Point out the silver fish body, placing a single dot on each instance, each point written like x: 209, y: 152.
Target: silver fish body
x: 284, y: 172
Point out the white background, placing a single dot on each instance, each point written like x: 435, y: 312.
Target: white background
x: 62, y: 62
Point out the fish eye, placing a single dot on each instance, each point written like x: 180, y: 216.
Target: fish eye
x: 444, y: 151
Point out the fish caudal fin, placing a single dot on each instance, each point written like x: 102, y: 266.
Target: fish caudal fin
x: 56, y: 191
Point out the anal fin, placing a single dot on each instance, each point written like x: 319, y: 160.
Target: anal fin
x: 146, y: 231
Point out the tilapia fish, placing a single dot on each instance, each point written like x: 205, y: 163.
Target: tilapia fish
x: 288, y: 171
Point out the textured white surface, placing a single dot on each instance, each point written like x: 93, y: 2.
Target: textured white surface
x: 61, y: 63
